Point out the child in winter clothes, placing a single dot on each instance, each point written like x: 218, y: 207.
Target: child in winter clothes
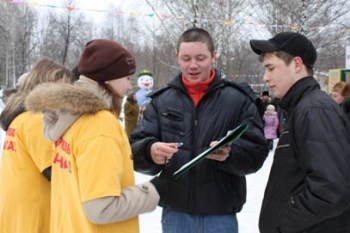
x: 270, y: 124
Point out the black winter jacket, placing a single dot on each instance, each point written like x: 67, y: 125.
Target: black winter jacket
x: 211, y: 187
x: 308, y: 190
x: 346, y: 107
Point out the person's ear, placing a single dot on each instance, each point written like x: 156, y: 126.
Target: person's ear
x: 298, y: 62
x: 213, y: 58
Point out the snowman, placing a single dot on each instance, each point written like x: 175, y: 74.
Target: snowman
x: 145, y: 83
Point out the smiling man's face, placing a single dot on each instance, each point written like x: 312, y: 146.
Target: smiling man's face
x: 195, y: 61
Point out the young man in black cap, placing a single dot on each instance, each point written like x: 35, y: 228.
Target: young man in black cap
x: 309, y: 187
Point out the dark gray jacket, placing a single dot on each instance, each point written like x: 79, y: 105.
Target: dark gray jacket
x: 346, y: 107
x: 308, y: 190
x: 211, y: 187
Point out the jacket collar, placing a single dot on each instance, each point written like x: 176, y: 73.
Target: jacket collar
x: 177, y: 81
x: 297, y: 91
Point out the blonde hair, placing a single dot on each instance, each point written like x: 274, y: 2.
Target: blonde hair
x: 21, y: 79
x: 44, y: 70
x: 270, y: 107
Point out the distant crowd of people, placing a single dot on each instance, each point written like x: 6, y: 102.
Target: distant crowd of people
x: 275, y: 118
x: 68, y: 163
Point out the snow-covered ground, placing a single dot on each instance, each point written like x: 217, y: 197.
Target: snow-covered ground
x: 247, y: 218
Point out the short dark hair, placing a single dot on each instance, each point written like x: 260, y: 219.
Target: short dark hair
x: 286, y: 57
x: 196, y: 35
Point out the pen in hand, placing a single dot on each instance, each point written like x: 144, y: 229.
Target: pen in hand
x: 179, y: 144
x: 166, y: 160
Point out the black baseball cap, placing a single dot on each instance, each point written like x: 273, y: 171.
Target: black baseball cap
x: 293, y: 43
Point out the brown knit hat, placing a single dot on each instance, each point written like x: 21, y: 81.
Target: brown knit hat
x: 103, y: 60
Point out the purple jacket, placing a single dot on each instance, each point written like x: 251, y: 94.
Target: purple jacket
x: 270, y: 125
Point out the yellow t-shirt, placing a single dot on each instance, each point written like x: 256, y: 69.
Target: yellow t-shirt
x: 24, y: 191
x: 91, y: 160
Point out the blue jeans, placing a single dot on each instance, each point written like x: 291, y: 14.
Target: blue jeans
x: 178, y: 222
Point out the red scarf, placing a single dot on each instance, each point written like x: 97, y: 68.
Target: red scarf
x: 197, y: 90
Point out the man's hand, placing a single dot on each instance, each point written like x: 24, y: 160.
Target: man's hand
x: 162, y: 152
x: 220, y: 155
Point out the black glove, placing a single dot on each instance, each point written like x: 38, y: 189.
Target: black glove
x: 161, y: 185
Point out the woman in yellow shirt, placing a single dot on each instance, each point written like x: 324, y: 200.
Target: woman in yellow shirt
x: 93, y: 188
x: 26, y: 160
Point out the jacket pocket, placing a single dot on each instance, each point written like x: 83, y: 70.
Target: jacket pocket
x: 172, y: 124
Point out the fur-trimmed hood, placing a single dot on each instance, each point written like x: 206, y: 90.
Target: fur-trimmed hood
x: 62, y: 104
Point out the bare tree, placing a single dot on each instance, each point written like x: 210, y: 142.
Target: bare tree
x: 218, y: 17
x: 16, y: 29
x: 65, y: 35
x: 324, y: 21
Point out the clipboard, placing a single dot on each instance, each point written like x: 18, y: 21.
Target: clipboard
x: 230, y: 137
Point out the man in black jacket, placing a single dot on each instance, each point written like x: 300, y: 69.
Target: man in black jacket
x: 197, y: 108
x: 309, y: 185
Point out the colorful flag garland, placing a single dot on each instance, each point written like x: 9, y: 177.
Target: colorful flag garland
x: 134, y: 13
